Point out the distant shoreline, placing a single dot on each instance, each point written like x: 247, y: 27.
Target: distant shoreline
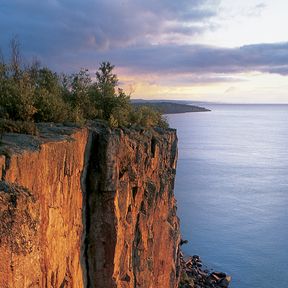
x: 171, y: 108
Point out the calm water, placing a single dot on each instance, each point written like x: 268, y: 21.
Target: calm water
x: 232, y: 191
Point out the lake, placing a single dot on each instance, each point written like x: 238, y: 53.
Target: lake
x: 232, y: 190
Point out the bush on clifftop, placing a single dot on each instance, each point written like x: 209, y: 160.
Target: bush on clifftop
x: 36, y: 94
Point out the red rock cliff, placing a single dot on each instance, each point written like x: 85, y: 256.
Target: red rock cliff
x: 88, y: 208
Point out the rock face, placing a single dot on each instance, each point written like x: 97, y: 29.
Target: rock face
x: 89, y: 208
x: 43, y: 245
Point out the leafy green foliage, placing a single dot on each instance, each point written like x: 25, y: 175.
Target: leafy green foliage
x: 114, y: 105
x: 148, y: 117
x: 48, y: 100
x: 37, y: 94
x: 23, y: 127
x: 77, y: 94
x: 16, y: 97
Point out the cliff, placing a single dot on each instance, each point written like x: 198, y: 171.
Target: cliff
x: 88, y: 207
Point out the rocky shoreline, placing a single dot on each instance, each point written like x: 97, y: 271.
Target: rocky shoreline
x: 195, y: 275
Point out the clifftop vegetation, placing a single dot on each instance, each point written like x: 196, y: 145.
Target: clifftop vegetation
x: 32, y: 93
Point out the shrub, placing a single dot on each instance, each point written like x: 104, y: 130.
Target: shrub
x: 147, y: 117
x: 37, y: 94
x: 23, y: 127
x: 78, y: 94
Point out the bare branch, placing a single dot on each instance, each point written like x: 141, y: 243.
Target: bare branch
x: 15, y: 57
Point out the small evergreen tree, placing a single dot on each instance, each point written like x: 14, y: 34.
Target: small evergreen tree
x: 113, y: 103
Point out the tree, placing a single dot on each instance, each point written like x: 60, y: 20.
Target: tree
x: 113, y: 103
x: 37, y: 94
x: 77, y: 91
x: 15, y: 62
x: 16, y: 87
x: 106, y: 80
x: 48, y: 97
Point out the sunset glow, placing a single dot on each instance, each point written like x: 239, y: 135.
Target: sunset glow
x: 206, y: 50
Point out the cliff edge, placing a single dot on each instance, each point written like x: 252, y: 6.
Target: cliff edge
x: 88, y: 207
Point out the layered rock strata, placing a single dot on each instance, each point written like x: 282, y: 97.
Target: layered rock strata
x: 88, y: 207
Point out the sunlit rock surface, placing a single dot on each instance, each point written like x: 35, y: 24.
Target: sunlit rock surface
x: 88, y: 207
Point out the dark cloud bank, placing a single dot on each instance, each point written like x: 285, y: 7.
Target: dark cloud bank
x: 267, y: 58
x: 143, y: 36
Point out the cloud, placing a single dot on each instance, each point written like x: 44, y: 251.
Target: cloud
x: 257, y: 10
x: 55, y: 26
x: 169, y: 80
x: 230, y: 90
x: 266, y: 58
x: 143, y: 36
x: 183, y: 63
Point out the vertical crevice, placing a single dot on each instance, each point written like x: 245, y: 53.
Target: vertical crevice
x: 6, y: 166
x: 153, y: 146
x: 135, y: 257
x: 92, y: 203
x: 102, y: 168
x: 86, y: 190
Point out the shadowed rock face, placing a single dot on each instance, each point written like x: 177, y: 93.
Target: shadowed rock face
x: 89, y: 208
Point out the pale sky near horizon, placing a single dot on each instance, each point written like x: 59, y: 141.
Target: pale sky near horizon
x: 203, y: 50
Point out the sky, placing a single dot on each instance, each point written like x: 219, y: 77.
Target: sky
x: 202, y: 50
